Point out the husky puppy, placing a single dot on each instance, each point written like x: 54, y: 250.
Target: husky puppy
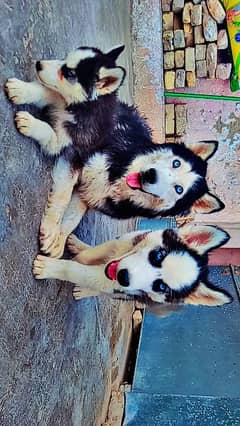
x: 106, y: 159
x: 167, y: 266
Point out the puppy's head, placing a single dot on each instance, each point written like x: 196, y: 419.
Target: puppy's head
x: 171, y: 266
x: 84, y: 75
x: 177, y: 174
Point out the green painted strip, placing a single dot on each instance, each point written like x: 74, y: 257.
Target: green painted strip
x: 201, y: 96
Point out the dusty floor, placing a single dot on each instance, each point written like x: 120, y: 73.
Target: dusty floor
x: 57, y: 357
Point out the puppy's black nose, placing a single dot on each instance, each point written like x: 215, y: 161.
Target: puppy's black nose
x: 150, y: 176
x: 38, y: 66
x: 123, y: 277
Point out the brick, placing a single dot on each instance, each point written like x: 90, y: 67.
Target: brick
x: 186, y: 17
x: 198, y: 35
x: 188, y: 35
x: 223, y: 71
x: 196, y: 1
x: 166, y: 5
x: 167, y: 40
x: 216, y: 10
x: 167, y: 21
x: 177, y: 21
x: 180, y: 78
x: 169, y: 119
x: 209, y: 25
x: 179, y: 40
x: 177, y: 5
x: 196, y: 15
x: 201, y: 69
x: 168, y: 59
x: 181, y: 119
x: 190, y: 59
x: 169, y: 79
x: 222, y: 39
x: 200, y: 52
x: 191, y: 79
x: 211, y: 58
x: 179, y: 58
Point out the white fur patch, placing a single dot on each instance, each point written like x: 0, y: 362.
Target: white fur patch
x: 76, y: 56
x: 179, y: 270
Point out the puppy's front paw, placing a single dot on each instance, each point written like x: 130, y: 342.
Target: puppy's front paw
x: 75, y: 245
x: 17, y: 91
x: 42, y: 267
x: 25, y: 123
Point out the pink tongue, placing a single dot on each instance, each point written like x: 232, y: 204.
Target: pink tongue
x: 112, y: 270
x: 133, y: 180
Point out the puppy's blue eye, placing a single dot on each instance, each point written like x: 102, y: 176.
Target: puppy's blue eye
x: 159, y: 286
x: 176, y: 164
x: 71, y: 74
x: 156, y: 257
x: 178, y: 189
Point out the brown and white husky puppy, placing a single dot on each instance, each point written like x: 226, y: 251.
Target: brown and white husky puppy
x: 167, y: 266
x: 106, y: 159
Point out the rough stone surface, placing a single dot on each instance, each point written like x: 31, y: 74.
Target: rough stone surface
x: 200, y: 52
x: 179, y: 58
x: 167, y: 40
x: 168, y: 59
x: 180, y: 78
x: 198, y: 35
x: 57, y: 357
x: 201, y: 69
x: 166, y: 5
x: 216, y: 10
x: 223, y: 71
x: 179, y: 41
x: 190, y: 59
x: 181, y: 119
x: 211, y: 60
x: 169, y: 80
x: 196, y: 15
x: 168, y: 21
x: 222, y: 40
x: 177, y: 5
x: 188, y: 35
x: 191, y: 79
x: 170, y: 119
x: 209, y: 25
x: 186, y: 17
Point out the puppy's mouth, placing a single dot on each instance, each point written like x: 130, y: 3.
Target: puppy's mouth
x: 134, y: 180
x: 111, y: 270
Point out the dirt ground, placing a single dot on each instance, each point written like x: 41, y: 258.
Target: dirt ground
x: 57, y: 357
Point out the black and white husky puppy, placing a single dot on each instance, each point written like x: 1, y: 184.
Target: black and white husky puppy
x: 106, y: 158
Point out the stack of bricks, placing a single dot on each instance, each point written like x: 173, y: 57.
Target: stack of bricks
x: 193, y: 33
x: 175, y: 122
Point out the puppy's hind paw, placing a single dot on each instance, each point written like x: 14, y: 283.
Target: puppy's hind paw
x: 75, y: 245
x: 43, y: 267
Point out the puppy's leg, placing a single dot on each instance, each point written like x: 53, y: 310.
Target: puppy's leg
x: 64, y: 179
x: 39, y: 130
x: 21, y: 92
x: 78, y: 293
x: 89, y: 278
x: 75, y: 245
x: 72, y: 216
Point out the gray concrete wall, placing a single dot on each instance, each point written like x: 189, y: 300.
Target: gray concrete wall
x: 57, y: 357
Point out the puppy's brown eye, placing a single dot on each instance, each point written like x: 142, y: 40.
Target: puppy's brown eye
x: 159, y: 286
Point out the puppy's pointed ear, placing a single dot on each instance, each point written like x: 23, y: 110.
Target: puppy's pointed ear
x: 208, y: 203
x: 203, y: 238
x: 115, y: 52
x: 205, y: 150
x: 208, y: 296
x: 110, y: 79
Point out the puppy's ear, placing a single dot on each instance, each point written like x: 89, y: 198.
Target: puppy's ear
x: 208, y: 203
x: 203, y: 238
x: 205, y: 150
x: 115, y: 52
x: 110, y: 79
x: 208, y: 295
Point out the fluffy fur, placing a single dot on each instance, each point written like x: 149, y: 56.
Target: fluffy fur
x: 104, y: 149
x: 167, y: 266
